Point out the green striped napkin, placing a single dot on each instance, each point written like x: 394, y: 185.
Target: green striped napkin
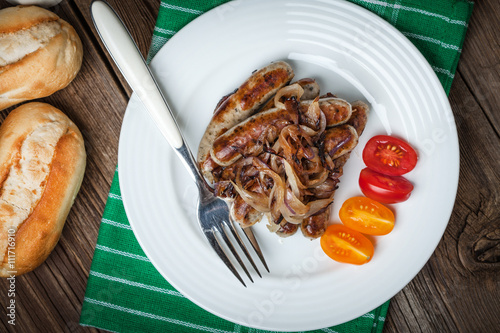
x: 126, y: 294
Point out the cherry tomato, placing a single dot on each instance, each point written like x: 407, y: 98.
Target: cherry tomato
x: 389, y: 155
x: 383, y: 188
x: 367, y: 216
x: 343, y: 244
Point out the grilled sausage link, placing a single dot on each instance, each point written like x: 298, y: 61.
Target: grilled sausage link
x: 311, y: 88
x: 340, y: 140
x: 287, y: 229
x: 314, y: 226
x: 359, y: 116
x: 245, y: 136
x: 243, y: 213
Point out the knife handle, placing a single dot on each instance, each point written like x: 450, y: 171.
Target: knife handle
x: 128, y: 58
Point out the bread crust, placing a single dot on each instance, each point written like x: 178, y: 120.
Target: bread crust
x: 37, y: 236
x: 23, y: 17
x: 44, y: 71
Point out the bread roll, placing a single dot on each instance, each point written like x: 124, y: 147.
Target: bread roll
x: 39, y: 54
x: 42, y: 161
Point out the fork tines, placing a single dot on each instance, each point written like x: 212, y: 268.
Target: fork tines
x: 218, y: 244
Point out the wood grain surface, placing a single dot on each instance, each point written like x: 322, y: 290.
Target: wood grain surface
x: 458, y: 290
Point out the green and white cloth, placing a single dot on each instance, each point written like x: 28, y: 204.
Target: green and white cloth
x: 125, y: 293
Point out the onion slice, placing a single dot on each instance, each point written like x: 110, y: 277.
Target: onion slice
x: 291, y: 91
x: 294, y: 211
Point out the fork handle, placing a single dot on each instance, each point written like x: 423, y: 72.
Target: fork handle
x: 126, y: 55
x: 128, y: 58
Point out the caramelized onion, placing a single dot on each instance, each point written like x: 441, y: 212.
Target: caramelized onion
x: 293, y: 180
x: 295, y: 144
x: 288, y: 92
x: 268, y: 195
x: 294, y: 210
x: 313, y: 120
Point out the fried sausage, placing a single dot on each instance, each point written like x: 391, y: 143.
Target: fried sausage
x: 243, y: 137
x: 314, y: 226
x: 359, y: 116
x: 311, y: 88
x: 244, y: 102
x: 243, y: 213
x: 287, y: 229
x: 339, y: 140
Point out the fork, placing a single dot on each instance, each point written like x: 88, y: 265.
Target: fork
x: 213, y: 213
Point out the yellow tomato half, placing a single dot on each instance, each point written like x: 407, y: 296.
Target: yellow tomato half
x: 345, y: 245
x: 367, y: 216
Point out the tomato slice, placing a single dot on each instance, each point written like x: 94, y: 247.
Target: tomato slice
x: 383, y: 188
x: 389, y: 155
x: 367, y: 216
x: 343, y: 244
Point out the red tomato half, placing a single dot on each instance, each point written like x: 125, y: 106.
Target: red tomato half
x: 389, y: 155
x: 383, y: 188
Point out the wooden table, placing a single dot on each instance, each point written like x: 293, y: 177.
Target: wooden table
x: 458, y: 290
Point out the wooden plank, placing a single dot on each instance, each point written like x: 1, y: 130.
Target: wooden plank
x: 479, y: 65
x: 49, y: 299
x: 139, y: 17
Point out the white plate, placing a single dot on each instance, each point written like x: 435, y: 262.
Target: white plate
x: 352, y: 53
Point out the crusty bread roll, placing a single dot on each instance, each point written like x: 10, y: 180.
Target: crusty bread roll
x: 42, y: 162
x: 39, y: 54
